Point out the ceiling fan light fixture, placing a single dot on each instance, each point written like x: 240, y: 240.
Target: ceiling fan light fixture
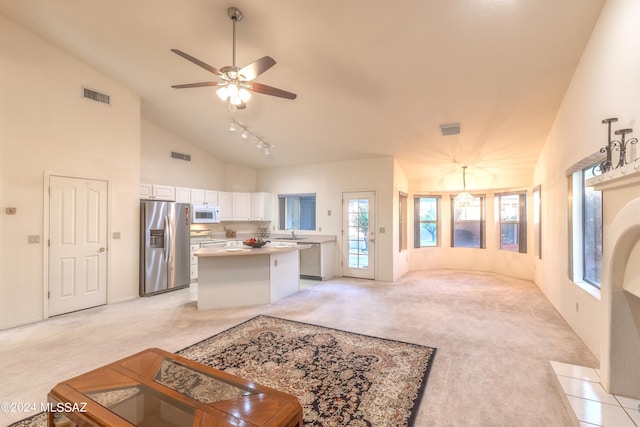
x: 232, y: 90
x: 222, y: 93
x: 244, y: 94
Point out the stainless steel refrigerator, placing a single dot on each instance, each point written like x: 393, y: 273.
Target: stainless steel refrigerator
x: 164, y: 247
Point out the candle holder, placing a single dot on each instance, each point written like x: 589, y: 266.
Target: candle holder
x: 620, y: 146
x: 607, y: 163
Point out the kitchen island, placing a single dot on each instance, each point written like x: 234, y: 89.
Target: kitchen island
x: 241, y: 276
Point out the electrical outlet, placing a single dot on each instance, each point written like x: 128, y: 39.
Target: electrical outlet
x: 116, y: 234
x: 10, y: 211
x: 33, y: 239
x: 329, y: 212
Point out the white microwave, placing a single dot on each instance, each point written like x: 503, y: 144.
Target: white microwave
x: 205, y: 214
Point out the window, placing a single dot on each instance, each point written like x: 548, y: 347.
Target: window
x: 467, y: 223
x: 513, y: 221
x: 585, y: 228
x: 425, y: 221
x: 592, y: 230
x: 297, y: 211
x: 403, y: 214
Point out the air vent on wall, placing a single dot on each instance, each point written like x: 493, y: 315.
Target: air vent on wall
x: 181, y: 156
x: 96, y: 96
x: 450, y: 129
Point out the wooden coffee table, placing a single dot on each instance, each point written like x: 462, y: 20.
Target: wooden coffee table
x: 157, y: 388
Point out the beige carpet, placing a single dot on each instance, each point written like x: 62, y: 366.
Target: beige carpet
x: 495, y: 336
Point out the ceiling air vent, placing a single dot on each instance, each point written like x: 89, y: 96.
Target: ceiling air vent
x: 450, y: 129
x: 96, y: 96
x: 181, y: 156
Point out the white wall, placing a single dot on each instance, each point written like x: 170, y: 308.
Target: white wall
x: 329, y: 181
x: 401, y: 258
x: 203, y: 171
x: 45, y: 125
x: 606, y: 84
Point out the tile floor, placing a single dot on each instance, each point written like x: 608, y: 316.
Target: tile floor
x: 590, y: 403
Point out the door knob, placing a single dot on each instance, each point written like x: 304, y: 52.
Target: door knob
x: 101, y: 250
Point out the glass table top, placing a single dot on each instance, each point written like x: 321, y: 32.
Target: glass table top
x: 142, y: 405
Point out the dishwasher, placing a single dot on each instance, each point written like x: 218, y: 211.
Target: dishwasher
x: 310, y: 261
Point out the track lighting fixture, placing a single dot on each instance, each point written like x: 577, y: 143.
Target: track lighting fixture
x: 246, y: 134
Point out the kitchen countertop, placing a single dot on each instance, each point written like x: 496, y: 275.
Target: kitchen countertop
x: 244, y: 251
x: 304, y: 238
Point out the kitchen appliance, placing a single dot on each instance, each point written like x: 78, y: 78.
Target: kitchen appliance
x: 205, y: 214
x: 165, y: 260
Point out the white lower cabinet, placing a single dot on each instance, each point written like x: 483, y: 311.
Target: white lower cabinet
x: 194, y: 262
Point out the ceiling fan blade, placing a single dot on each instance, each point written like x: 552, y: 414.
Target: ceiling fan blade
x: 197, y: 62
x: 257, y: 67
x: 188, y: 85
x: 268, y: 90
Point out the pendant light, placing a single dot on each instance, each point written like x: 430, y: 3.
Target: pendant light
x: 465, y: 198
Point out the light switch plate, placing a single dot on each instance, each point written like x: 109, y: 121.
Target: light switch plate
x: 11, y: 211
x: 116, y: 234
x: 33, y: 239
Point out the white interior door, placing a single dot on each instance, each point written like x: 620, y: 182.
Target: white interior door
x: 77, y: 244
x: 358, y: 234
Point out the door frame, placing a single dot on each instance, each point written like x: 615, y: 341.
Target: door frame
x: 45, y: 232
x: 342, y: 231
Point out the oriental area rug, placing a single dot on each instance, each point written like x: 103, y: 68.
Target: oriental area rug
x: 340, y: 378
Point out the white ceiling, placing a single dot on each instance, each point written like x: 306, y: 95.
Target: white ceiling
x: 373, y: 78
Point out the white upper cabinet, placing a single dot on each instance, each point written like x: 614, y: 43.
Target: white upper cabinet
x: 204, y: 197
x: 157, y: 192
x: 233, y: 206
x: 261, y: 207
x: 226, y: 206
x: 241, y: 206
x: 183, y: 195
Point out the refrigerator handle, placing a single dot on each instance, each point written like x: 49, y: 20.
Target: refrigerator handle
x: 167, y: 240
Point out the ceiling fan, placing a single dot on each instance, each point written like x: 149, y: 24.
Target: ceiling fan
x: 236, y: 84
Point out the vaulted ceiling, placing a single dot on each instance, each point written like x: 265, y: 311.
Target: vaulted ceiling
x: 372, y: 78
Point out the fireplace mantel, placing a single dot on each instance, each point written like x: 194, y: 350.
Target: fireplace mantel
x: 622, y: 176
x: 620, y: 279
